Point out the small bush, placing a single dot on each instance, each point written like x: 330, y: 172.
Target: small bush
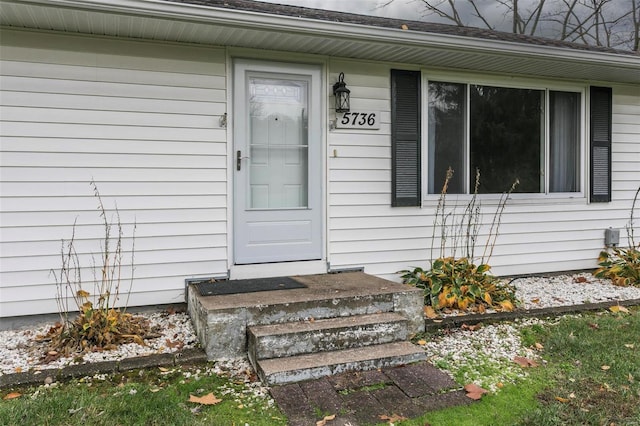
x: 459, y: 284
x: 621, y: 266
x: 99, y: 324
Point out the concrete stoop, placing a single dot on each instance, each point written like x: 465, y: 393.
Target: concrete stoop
x: 338, y: 323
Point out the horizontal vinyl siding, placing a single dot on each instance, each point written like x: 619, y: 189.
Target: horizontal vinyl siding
x: 536, y: 236
x: 142, y: 120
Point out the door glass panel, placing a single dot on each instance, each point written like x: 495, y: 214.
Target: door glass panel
x: 278, y: 143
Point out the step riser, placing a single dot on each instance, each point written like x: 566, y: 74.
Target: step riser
x: 302, y: 374
x: 296, y: 343
x: 319, y: 309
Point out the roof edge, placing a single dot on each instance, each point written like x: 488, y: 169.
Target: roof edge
x: 257, y: 19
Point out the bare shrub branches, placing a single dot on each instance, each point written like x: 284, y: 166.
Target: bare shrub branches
x: 99, y: 323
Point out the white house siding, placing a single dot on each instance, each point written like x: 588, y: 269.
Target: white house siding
x: 142, y: 120
x: 536, y: 236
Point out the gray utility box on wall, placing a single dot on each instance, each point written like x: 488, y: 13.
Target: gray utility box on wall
x: 611, y: 237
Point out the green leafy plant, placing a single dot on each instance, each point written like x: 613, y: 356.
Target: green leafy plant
x: 622, y: 265
x: 457, y: 282
x: 460, y: 284
x: 99, y: 323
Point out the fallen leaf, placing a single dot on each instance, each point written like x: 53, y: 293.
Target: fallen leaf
x: 422, y: 342
x: 12, y: 395
x: 474, y: 391
x: 18, y: 369
x: 393, y: 419
x: 580, y: 279
x: 594, y: 326
x: 629, y: 345
x: 617, y: 308
x: 177, y: 344
x: 524, y: 362
x: 471, y: 327
x: 404, y: 27
x: 506, y: 305
x: 430, y: 312
x: 500, y: 385
x: 563, y: 400
x: 163, y: 369
x: 535, y: 301
x: 605, y: 367
x: 539, y: 346
x: 324, y: 421
x: 208, y: 399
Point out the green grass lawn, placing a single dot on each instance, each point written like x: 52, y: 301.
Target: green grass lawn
x: 591, y: 376
x: 145, y: 397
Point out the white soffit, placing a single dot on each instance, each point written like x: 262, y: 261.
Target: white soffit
x: 183, y: 22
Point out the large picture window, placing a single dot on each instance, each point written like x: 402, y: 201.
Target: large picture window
x: 532, y: 135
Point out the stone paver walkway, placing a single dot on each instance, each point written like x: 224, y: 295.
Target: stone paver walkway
x: 364, y: 398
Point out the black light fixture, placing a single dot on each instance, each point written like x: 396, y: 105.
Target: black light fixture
x: 341, y: 93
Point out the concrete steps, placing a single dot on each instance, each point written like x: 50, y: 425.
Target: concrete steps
x: 338, y: 322
x: 302, y: 337
x: 279, y: 371
x: 305, y: 350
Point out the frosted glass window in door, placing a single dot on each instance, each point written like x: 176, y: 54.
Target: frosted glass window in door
x: 278, y: 143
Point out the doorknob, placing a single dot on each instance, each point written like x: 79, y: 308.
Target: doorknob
x: 239, y: 159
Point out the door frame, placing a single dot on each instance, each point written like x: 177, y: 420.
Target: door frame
x: 276, y: 65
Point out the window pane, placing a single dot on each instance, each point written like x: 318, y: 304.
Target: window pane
x: 446, y: 136
x: 564, y: 143
x: 506, y: 138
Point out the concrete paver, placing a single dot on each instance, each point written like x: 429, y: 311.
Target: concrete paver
x: 360, y: 398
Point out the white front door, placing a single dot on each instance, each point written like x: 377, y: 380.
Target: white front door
x: 277, y: 162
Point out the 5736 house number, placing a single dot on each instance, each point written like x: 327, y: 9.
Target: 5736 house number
x: 358, y: 120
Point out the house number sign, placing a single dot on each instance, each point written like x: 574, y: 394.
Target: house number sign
x: 358, y: 120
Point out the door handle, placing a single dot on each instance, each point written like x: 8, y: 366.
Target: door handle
x: 239, y: 159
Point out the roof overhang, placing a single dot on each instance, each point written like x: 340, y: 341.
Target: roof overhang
x: 194, y: 23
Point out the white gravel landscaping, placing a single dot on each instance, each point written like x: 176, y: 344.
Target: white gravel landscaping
x: 491, y: 348
x: 484, y: 356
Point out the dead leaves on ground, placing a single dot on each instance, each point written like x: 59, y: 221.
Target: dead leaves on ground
x: 326, y: 419
x: 208, y: 399
x: 616, y: 309
x: 12, y: 395
x: 392, y: 419
x: 525, y: 362
x: 430, y: 313
x: 474, y: 391
x: 474, y: 327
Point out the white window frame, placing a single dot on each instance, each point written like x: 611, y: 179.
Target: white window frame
x: 516, y: 83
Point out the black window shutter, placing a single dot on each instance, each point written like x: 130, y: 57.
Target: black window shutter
x: 405, y: 138
x: 600, y: 174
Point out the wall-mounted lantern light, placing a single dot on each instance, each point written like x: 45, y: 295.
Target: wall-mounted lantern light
x: 341, y: 93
